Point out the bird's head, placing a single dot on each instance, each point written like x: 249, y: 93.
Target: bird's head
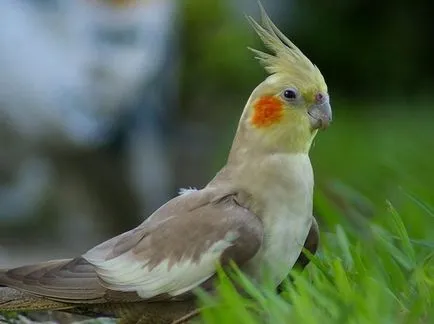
x: 285, y: 111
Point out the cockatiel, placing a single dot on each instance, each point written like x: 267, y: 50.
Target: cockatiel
x: 257, y: 211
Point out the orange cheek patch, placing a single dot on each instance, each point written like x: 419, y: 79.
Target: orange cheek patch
x: 268, y: 110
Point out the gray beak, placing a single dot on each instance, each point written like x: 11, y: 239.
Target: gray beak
x: 320, y: 115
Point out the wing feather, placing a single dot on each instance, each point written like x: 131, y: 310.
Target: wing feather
x: 182, y: 251
x: 172, y: 252
x: 71, y: 280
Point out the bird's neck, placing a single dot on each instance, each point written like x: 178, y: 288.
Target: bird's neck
x: 267, y: 175
x: 249, y: 144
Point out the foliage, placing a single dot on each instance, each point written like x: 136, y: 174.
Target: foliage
x: 380, y: 275
x: 375, y: 204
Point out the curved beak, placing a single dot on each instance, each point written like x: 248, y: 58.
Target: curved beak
x: 320, y: 115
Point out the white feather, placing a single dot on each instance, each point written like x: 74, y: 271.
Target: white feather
x: 126, y: 273
x: 183, y: 191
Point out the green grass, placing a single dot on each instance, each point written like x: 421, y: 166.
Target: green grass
x: 374, y: 199
x: 378, y: 275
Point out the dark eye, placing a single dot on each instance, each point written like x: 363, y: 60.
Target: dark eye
x: 290, y: 94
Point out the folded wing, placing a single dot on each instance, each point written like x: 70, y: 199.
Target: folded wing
x: 180, y: 251
x: 174, y: 251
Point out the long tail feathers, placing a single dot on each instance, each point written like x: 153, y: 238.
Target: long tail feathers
x: 52, y: 285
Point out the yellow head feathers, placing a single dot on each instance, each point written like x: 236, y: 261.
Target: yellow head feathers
x: 287, y: 58
x: 285, y: 111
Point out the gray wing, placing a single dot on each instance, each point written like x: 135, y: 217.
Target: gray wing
x: 69, y: 280
x: 171, y: 253
x: 180, y: 250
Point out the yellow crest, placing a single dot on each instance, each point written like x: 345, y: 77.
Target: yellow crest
x: 287, y: 57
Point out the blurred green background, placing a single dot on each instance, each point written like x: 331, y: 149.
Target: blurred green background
x: 376, y: 57
x: 377, y: 60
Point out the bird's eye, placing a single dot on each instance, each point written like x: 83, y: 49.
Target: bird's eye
x: 290, y: 94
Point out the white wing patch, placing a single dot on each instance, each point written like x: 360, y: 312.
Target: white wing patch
x: 126, y: 273
x: 184, y: 191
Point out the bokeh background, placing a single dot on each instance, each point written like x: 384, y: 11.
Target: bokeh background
x: 108, y: 107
